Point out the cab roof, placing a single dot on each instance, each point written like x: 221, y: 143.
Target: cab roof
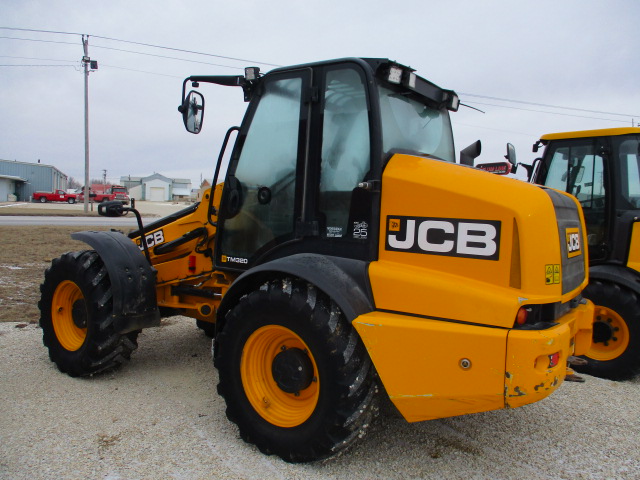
x: 604, y: 132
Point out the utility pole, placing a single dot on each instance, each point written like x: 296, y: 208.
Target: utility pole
x: 89, y: 65
x: 104, y: 176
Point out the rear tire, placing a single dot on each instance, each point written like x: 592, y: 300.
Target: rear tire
x: 615, y: 351
x: 296, y: 377
x: 71, y: 200
x: 43, y: 200
x: 75, y: 316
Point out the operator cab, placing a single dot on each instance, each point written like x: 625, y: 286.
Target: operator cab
x: 601, y: 169
x: 305, y: 171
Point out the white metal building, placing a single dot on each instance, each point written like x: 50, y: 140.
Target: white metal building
x: 157, y: 188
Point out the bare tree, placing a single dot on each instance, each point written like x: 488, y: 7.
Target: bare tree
x: 72, y: 183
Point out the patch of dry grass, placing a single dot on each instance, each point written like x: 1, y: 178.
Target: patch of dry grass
x: 25, y: 253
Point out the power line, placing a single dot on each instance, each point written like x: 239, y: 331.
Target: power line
x: 193, y: 52
x: 547, y: 105
x: 551, y: 113
x: 23, y: 65
x: 121, y: 50
x: 529, y: 135
x: 165, y: 56
x: 39, y: 31
x: 275, y: 65
x: 186, y: 51
x: 38, y: 40
x: 140, y: 71
x: 37, y: 58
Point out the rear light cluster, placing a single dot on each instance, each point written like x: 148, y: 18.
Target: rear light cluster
x: 554, y: 359
x: 534, y: 317
x: 540, y: 317
x: 523, y: 314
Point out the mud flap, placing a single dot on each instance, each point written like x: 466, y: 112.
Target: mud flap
x: 133, y: 280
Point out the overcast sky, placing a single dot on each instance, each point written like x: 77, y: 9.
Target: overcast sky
x: 577, y: 54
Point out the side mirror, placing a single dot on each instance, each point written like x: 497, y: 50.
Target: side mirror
x: 470, y: 153
x: 192, y: 110
x: 511, y: 154
x: 511, y: 157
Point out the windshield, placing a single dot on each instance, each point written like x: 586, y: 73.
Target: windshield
x: 411, y: 125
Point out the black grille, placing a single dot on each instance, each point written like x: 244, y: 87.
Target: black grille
x: 568, y: 218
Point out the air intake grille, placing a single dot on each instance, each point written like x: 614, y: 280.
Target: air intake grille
x: 568, y: 218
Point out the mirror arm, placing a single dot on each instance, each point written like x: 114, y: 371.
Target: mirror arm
x: 225, y: 80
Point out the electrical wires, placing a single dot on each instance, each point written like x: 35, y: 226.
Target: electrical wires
x: 184, y: 55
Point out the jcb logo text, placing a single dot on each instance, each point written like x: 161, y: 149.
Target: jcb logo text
x: 573, y: 242
x: 155, y: 238
x: 454, y: 237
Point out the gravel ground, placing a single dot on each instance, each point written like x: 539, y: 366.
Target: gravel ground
x: 160, y: 417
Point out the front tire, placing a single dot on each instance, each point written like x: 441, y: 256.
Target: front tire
x: 615, y: 351
x: 75, y: 316
x: 208, y: 328
x: 296, y: 377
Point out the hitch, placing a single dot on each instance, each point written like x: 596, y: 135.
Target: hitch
x: 571, y: 376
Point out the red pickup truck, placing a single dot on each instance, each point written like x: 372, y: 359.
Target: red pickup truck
x: 55, y: 196
x: 106, y: 193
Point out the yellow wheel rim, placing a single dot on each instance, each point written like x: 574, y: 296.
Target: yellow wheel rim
x: 70, y: 336
x: 610, y: 335
x: 265, y: 395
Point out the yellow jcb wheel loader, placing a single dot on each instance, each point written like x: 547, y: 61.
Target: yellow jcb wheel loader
x: 601, y: 168
x: 345, y: 256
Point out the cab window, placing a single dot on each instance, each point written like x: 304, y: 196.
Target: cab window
x: 579, y: 170
x: 629, y: 151
x: 263, y: 185
x: 345, y: 151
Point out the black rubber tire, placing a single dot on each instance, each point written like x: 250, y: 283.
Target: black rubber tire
x: 208, y: 328
x: 71, y: 201
x: 626, y: 304
x: 43, y: 199
x: 348, y: 389
x: 102, y: 347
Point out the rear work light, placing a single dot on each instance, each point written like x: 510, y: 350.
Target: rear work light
x: 395, y: 75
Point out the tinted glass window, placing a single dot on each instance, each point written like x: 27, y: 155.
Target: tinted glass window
x: 578, y: 170
x: 345, y: 147
x: 266, y: 172
x: 629, y: 152
x: 410, y: 125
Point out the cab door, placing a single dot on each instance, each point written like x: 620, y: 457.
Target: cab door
x: 262, y: 196
x: 578, y: 167
x: 348, y: 184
